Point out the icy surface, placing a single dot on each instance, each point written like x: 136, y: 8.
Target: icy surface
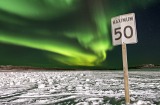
x: 78, y: 88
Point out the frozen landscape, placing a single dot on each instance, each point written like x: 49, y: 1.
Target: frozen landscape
x: 78, y: 88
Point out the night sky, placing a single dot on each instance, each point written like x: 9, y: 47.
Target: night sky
x: 75, y: 33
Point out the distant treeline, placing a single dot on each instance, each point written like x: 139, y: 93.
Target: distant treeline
x: 11, y: 68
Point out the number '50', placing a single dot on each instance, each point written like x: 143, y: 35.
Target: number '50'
x: 117, y: 31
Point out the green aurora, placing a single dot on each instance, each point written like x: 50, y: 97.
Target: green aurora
x: 70, y: 32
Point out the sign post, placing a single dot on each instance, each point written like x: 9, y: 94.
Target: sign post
x: 125, y: 69
x: 124, y: 32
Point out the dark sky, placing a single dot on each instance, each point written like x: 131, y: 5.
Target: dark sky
x: 75, y: 34
x: 146, y: 51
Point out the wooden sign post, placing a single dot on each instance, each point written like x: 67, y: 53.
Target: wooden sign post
x: 125, y: 70
x: 124, y: 32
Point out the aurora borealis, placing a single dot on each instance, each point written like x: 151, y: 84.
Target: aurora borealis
x: 60, y: 33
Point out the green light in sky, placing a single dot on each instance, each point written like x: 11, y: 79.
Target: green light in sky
x: 72, y: 54
x: 35, y: 9
x: 93, y: 39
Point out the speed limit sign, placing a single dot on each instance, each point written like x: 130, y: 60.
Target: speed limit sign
x: 124, y: 32
x: 124, y: 29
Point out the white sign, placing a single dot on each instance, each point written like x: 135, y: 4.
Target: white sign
x: 124, y: 29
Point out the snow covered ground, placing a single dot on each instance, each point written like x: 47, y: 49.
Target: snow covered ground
x: 78, y: 88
